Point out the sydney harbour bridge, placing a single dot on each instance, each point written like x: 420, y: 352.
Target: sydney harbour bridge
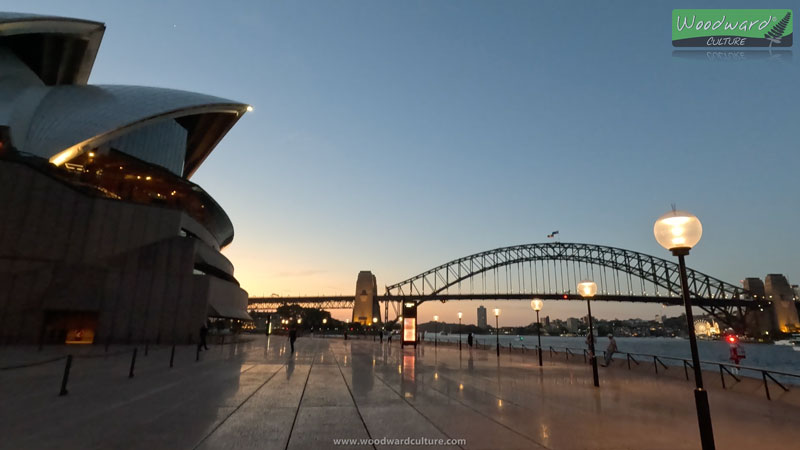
x: 551, y: 271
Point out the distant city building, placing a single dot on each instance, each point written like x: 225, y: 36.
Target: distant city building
x: 547, y: 321
x: 103, y: 237
x: 573, y: 325
x: 482, y: 317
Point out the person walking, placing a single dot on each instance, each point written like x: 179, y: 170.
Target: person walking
x: 589, y: 346
x: 292, y: 337
x: 380, y: 333
x: 612, y: 348
x: 203, y: 335
x: 737, y: 352
x: 470, y: 339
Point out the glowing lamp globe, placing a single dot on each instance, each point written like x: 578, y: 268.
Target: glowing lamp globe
x: 435, y: 318
x: 459, y: 315
x: 497, y: 311
x: 678, y: 231
x: 587, y: 288
x: 537, y: 304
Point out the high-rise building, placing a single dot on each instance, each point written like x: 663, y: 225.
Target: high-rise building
x: 103, y: 237
x: 482, y: 317
x: 573, y: 324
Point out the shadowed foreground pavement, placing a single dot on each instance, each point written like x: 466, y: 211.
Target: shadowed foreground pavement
x: 255, y: 396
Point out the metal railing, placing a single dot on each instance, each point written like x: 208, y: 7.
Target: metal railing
x: 732, y: 370
x: 69, y: 358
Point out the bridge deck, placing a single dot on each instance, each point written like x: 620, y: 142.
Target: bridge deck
x: 256, y: 396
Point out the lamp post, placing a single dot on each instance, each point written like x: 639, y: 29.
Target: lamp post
x: 497, y: 328
x: 459, y: 331
x: 537, y: 305
x: 436, y: 331
x: 678, y: 232
x: 587, y: 289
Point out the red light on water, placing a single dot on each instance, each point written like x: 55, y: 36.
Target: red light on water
x: 732, y: 339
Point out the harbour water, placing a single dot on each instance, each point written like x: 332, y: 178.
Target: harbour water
x: 780, y: 358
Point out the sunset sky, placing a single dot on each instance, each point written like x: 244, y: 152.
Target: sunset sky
x: 396, y: 136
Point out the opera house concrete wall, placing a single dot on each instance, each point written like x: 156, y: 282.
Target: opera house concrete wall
x: 103, y: 238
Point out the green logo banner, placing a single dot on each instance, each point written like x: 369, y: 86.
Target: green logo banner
x: 732, y: 27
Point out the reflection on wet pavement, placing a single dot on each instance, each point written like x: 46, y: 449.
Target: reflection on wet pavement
x: 259, y: 395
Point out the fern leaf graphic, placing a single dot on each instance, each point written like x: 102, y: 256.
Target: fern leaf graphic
x: 774, y: 35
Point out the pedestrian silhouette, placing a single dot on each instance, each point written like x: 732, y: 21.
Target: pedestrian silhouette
x: 292, y: 336
x: 203, y: 334
x: 470, y: 339
x: 612, y: 348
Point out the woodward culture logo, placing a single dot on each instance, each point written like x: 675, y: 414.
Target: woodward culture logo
x: 731, y: 27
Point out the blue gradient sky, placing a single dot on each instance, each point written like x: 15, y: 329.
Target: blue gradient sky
x: 395, y: 136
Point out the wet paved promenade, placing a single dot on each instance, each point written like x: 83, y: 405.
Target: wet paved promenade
x: 255, y: 396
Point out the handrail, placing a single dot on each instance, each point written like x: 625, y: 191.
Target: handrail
x: 687, y: 364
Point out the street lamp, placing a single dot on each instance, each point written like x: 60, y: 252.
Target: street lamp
x: 587, y: 289
x: 497, y: 328
x: 459, y: 330
x: 436, y: 331
x: 537, y: 305
x: 678, y: 232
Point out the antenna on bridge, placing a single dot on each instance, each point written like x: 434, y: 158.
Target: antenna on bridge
x: 673, y: 207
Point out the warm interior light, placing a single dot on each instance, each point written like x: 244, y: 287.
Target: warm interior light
x: 537, y: 304
x: 678, y: 229
x: 64, y: 156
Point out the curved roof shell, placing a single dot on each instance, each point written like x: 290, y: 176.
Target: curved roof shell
x: 70, y: 120
x: 59, y: 50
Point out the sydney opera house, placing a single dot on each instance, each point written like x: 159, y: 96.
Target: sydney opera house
x: 103, y: 237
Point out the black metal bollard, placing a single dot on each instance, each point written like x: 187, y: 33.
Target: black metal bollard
x: 65, y: 378
x: 133, y: 363
x: 172, y: 356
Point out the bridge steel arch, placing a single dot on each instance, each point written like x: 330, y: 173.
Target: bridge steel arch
x: 571, y: 262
